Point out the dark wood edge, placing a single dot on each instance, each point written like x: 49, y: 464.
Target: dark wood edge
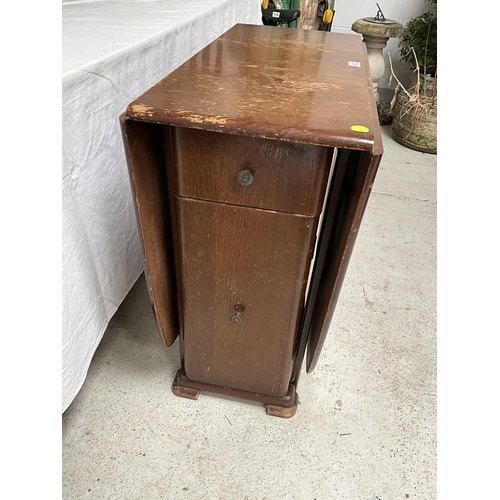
x: 333, y: 288
x: 320, y: 259
x: 169, y: 153
x: 123, y: 127
x: 261, y: 131
x: 182, y: 383
x: 168, y: 339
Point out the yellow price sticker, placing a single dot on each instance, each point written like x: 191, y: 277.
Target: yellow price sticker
x: 360, y: 128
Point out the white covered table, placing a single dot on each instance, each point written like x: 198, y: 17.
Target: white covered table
x: 113, y: 51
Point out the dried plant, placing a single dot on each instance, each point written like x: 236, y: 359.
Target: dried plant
x: 419, y: 102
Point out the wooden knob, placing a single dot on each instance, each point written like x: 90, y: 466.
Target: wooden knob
x: 245, y: 177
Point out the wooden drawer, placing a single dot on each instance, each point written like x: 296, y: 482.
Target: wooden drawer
x: 250, y: 171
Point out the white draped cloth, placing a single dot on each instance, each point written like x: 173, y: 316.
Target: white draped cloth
x: 113, y: 51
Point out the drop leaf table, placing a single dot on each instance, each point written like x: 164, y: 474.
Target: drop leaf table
x: 251, y: 166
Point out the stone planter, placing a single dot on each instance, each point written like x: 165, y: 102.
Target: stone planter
x: 414, y: 124
x: 375, y: 36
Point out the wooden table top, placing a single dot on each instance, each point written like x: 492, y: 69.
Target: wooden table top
x: 276, y: 83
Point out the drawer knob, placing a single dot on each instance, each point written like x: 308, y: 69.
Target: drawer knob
x: 245, y: 177
x: 236, y: 318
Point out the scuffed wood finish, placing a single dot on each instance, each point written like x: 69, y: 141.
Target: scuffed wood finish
x: 231, y: 86
x: 233, y: 260
x: 247, y: 263
x: 291, y: 178
x: 143, y: 146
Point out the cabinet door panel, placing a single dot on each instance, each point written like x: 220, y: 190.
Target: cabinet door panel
x: 244, y: 273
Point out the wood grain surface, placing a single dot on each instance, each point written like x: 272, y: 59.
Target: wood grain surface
x: 287, y: 177
x: 247, y: 261
x: 290, y: 84
x: 144, y: 149
x: 230, y: 259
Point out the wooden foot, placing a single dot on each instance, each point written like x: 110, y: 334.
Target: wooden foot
x: 182, y: 391
x: 283, y: 411
x: 284, y: 407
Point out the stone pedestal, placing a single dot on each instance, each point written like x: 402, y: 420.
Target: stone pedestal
x: 376, y: 35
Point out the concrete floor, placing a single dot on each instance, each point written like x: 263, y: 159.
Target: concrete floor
x: 366, y: 425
